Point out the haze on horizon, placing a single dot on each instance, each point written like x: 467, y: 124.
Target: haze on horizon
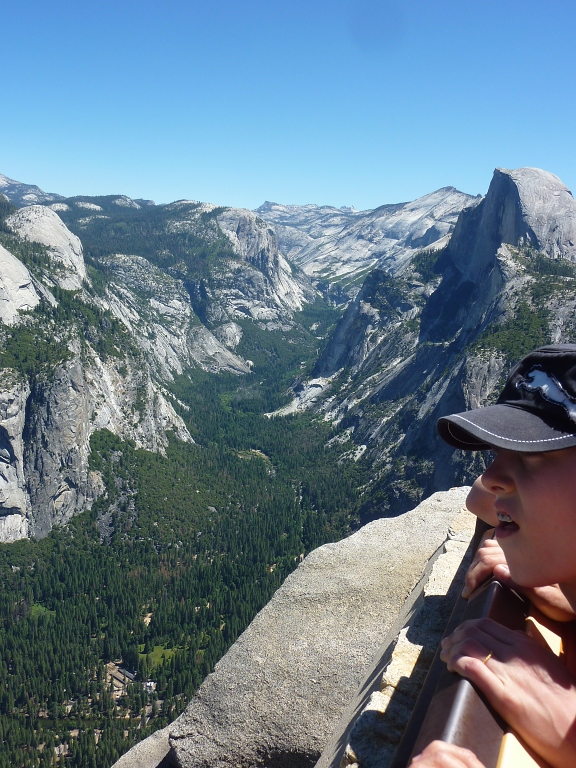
x: 348, y: 102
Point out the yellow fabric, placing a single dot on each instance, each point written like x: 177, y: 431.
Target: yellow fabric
x: 514, y: 753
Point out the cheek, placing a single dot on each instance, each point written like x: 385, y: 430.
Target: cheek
x: 555, y: 513
x: 542, y: 555
x: 531, y: 555
x: 522, y: 569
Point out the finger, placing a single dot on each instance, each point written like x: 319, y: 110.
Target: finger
x: 482, y: 567
x: 476, y: 575
x: 502, y: 573
x: 441, y: 754
x: 489, y: 633
x: 476, y: 639
x: 477, y: 664
x: 468, y: 648
x: 485, y: 549
x: 474, y: 578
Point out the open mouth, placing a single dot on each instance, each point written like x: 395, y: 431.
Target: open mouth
x: 505, y: 523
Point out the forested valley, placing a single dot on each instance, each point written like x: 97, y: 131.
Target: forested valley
x: 109, y: 625
x: 182, y: 328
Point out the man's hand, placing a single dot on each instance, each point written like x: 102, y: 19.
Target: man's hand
x: 442, y: 755
x: 490, y: 560
x: 526, y: 684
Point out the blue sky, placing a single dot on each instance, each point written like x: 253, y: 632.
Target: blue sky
x: 347, y: 102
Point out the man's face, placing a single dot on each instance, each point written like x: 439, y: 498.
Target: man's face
x: 536, y: 505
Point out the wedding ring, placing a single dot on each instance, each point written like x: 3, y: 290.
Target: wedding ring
x: 487, y: 659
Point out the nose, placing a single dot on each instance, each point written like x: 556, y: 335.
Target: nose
x: 498, y: 477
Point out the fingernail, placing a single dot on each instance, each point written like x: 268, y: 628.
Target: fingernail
x: 465, y: 592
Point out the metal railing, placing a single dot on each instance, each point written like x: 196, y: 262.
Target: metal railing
x: 453, y: 710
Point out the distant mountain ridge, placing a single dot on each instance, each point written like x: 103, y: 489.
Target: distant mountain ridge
x: 448, y: 290
x: 120, y: 297
x: 339, y: 245
x: 25, y: 194
x: 441, y: 337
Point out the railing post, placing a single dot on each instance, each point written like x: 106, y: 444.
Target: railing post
x: 449, y: 707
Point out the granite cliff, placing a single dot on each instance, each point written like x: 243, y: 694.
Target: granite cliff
x: 337, y: 247
x: 92, y: 343
x: 440, y: 336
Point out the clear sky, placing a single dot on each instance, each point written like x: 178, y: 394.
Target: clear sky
x: 339, y: 102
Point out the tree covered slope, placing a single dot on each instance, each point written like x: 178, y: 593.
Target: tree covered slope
x: 183, y: 416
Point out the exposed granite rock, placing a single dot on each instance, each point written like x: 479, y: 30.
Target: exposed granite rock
x: 155, y: 307
x: 262, y: 285
x: 254, y: 281
x: 230, y: 334
x: 42, y: 225
x: 378, y: 307
x: 13, y: 528
x: 526, y: 206
x: 277, y: 694
x: 86, y: 394
x: 343, y: 244
x: 17, y: 291
x: 14, y: 503
x: 150, y: 753
x: 548, y: 211
x: 299, y: 226
x: 375, y: 721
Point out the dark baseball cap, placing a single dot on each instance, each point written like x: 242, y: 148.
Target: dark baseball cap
x: 535, y: 412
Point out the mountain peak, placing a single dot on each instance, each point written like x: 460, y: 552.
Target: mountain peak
x: 25, y: 194
x: 526, y: 206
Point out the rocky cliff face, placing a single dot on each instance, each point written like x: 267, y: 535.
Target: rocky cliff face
x: 45, y: 428
x: 107, y: 340
x: 41, y: 225
x: 13, y: 498
x: 341, y: 245
x: 259, y: 283
x: 17, y: 290
x: 440, y: 337
x: 85, y: 394
x: 133, y: 294
x: 157, y: 311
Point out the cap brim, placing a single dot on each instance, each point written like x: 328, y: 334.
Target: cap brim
x: 503, y: 426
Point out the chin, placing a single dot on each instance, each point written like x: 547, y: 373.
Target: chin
x: 528, y: 579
